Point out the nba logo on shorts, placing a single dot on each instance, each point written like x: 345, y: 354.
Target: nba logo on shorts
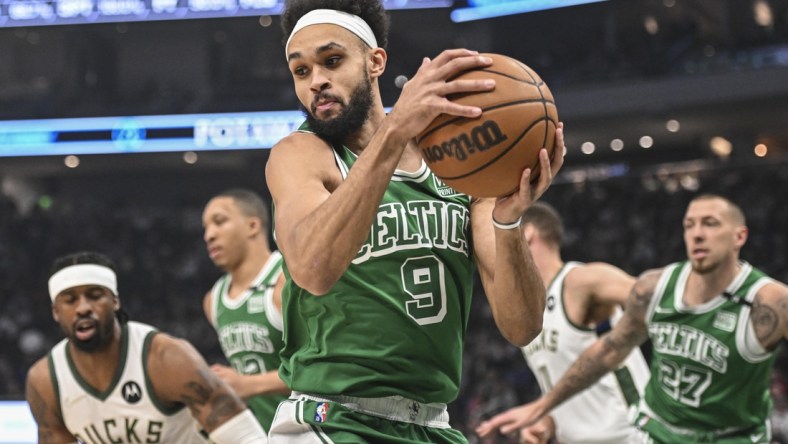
x: 321, y: 411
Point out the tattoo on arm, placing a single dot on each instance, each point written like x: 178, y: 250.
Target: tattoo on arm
x: 205, y: 392
x: 765, y: 322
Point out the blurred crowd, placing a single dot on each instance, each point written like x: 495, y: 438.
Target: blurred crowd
x: 633, y: 221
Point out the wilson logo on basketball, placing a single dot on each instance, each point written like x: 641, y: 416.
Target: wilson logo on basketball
x: 481, y: 138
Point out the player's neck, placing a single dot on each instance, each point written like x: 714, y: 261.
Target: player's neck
x: 98, y: 368
x: 704, y: 287
x: 547, y: 261
x: 244, y: 274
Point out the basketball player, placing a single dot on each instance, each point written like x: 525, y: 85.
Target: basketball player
x: 714, y: 322
x: 378, y: 253
x: 113, y: 381
x: 245, y: 304
x: 582, y: 299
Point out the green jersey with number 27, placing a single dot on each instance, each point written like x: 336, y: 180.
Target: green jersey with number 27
x: 709, y: 372
x: 395, y: 322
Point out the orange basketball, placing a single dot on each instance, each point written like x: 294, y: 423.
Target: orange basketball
x: 485, y: 156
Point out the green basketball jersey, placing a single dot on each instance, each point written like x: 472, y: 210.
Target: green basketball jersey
x: 250, y: 331
x: 709, y: 372
x: 394, y: 324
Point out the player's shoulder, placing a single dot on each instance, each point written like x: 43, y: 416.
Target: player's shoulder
x: 300, y: 142
x: 773, y: 292
x: 38, y: 373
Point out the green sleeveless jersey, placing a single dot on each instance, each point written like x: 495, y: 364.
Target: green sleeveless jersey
x: 394, y: 324
x: 709, y: 372
x: 250, y: 331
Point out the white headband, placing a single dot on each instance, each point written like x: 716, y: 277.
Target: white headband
x: 352, y: 23
x: 82, y: 274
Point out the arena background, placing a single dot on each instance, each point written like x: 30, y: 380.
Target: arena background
x: 661, y: 99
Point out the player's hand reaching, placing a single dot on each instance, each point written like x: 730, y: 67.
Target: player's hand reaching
x: 232, y: 378
x: 511, y: 420
x: 424, y: 97
x: 539, y: 433
x: 509, y: 208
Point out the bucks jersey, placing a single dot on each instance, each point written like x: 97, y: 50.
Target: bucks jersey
x: 394, y: 324
x: 128, y: 410
x: 710, y: 371
x: 250, y: 330
x: 599, y: 414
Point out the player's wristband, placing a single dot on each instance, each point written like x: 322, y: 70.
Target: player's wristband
x: 242, y: 428
x: 510, y: 226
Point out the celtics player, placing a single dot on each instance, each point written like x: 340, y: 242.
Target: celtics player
x: 714, y: 322
x: 245, y: 305
x: 582, y: 302
x: 379, y: 253
x: 117, y: 381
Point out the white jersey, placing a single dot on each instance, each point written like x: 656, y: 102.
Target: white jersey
x: 128, y: 411
x: 599, y: 414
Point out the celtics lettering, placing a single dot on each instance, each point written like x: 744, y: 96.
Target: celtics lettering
x: 416, y: 224
x: 690, y: 343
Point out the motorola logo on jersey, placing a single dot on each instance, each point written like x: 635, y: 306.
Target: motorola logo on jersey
x: 131, y: 392
x: 551, y: 302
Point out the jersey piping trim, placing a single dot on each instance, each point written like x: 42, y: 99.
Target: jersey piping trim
x: 55, y: 385
x: 659, y: 291
x: 233, y: 304
x: 717, y: 301
x: 148, y: 384
x: 747, y: 342
x: 560, y: 279
x: 124, y: 348
x: 627, y: 385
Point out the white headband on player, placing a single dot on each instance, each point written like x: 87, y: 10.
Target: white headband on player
x: 352, y: 23
x: 82, y: 274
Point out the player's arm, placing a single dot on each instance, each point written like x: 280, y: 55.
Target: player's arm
x: 322, y: 220
x: 510, y: 278
x: 45, y: 406
x: 605, y: 284
x: 770, y: 315
x: 207, y: 306
x: 179, y: 375
x: 605, y: 355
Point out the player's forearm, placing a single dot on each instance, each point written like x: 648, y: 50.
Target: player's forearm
x: 325, y: 242
x: 595, y: 362
x: 518, y: 293
x: 267, y: 383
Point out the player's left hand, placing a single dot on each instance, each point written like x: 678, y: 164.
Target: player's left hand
x: 509, y: 208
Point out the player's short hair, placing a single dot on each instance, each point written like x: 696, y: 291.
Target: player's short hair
x: 250, y: 204
x: 371, y: 11
x: 546, y: 220
x: 81, y: 257
x: 734, y: 210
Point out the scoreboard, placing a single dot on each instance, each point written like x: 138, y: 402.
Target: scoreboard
x: 16, y: 13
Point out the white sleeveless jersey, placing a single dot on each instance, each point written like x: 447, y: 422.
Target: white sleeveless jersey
x: 128, y: 411
x: 600, y: 414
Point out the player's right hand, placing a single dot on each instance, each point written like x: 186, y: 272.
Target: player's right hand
x: 510, y: 420
x: 424, y: 97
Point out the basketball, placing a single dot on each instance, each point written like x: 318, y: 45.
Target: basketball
x: 486, y: 155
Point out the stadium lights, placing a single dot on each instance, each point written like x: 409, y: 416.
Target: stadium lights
x: 616, y: 144
x: 588, y: 148
x: 484, y: 9
x: 761, y: 150
x: 646, y: 142
x: 721, y: 146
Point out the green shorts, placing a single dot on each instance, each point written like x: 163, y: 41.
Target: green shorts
x: 303, y: 419
x: 655, y: 432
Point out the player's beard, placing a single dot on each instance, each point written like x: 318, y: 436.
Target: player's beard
x: 100, y: 339
x: 352, y: 116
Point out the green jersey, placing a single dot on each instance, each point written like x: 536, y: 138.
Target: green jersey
x: 709, y: 372
x: 250, y: 331
x: 394, y: 324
